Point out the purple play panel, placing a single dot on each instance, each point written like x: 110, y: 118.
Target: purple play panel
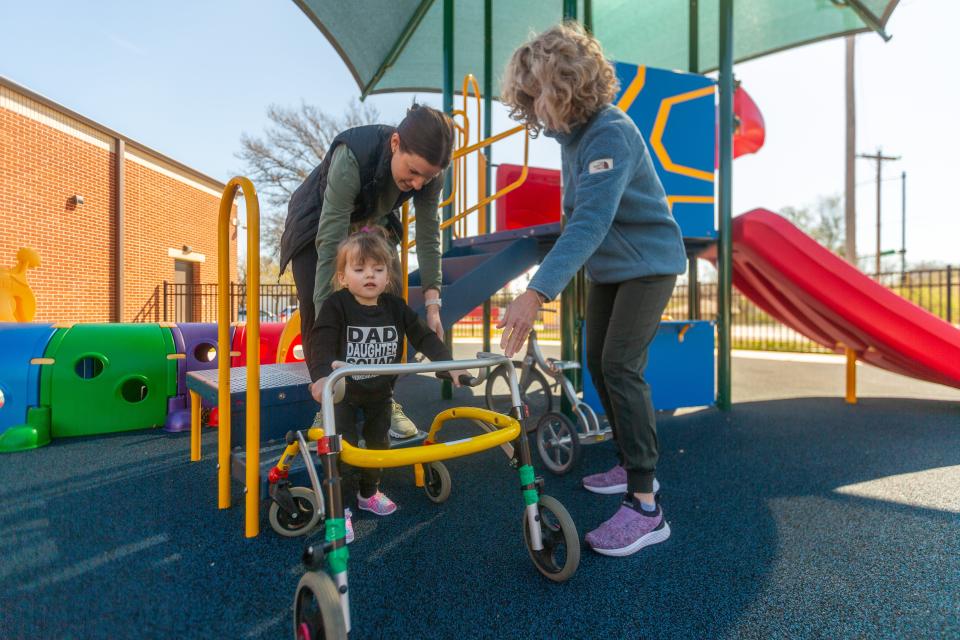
x: 197, y: 341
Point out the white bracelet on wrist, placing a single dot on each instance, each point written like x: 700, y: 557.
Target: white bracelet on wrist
x: 435, y: 301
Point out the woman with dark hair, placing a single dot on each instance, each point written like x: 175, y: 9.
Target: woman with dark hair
x: 366, y: 175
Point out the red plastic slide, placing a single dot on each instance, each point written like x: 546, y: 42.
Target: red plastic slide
x: 796, y: 280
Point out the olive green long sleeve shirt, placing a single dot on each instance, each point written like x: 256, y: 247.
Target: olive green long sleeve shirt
x: 343, y: 186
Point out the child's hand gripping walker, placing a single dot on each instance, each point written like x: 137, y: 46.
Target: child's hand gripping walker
x: 321, y: 604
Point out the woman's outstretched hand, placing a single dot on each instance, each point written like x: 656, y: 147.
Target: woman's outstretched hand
x: 518, y: 321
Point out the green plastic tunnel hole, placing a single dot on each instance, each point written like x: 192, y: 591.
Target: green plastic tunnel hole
x: 205, y: 352
x: 134, y: 390
x: 89, y: 367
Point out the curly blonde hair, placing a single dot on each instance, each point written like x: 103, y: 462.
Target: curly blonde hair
x: 558, y: 79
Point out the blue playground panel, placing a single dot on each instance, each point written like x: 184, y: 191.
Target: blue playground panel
x: 677, y: 116
x: 680, y: 372
x: 20, y: 383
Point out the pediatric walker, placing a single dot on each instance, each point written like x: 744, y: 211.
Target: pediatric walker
x: 557, y: 439
x: 322, y: 600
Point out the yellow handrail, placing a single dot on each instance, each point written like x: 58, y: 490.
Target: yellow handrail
x: 507, y: 189
x: 459, y: 192
x: 251, y: 511
x: 502, y: 192
x: 461, y: 132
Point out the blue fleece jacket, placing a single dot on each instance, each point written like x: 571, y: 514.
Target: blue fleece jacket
x: 618, y: 222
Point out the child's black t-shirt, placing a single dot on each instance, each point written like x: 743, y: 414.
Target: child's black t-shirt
x: 362, y: 334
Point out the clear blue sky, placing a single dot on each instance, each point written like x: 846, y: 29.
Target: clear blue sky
x: 187, y: 78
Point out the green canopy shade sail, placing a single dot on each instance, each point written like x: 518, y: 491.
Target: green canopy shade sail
x: 397, y: 45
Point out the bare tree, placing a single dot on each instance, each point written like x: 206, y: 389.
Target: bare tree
x: 824, y: 222
x: 291, y: 147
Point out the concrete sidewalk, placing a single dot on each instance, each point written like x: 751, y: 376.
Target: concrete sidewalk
x: 772, y: 375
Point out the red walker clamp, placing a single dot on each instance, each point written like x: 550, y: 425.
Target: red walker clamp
x: 323, y: 446
x: 276, y: 474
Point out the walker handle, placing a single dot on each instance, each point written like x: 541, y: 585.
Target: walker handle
x: 465, y: 379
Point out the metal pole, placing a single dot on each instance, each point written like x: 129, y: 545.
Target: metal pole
x: 880, y: 158
x: 569, y: 339
x: 725, y: 248
x: 693, y: 65
x: 903, y: 225
x: 693, y: 288
x: 879, y: 192
x: 850, y: 185
x: 487, y: 132
x: 588, y: 15
x: 949, y: 294
x: 446, y: 388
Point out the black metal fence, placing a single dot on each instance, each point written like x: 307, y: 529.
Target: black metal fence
x: 936, y: 290
x: 198, y: 302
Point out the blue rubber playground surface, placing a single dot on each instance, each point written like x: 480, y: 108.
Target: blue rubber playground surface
x: 788, y: 521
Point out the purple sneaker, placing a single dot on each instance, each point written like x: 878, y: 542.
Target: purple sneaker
x: 628, y: 531
x: 611, y: 482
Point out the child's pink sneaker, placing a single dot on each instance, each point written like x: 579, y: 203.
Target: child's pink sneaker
x: 348, y: 516
x: 378, y: 503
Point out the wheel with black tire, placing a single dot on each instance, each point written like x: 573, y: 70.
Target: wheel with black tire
x: 436, y: 481
x: 557, y: 442
x: 560, y: 556
x: 534, y: 392
x: 308, y: 514
x: 316, y: 609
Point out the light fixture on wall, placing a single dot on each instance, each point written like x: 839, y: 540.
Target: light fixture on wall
x: 187, y: 248
x: 76, y: 199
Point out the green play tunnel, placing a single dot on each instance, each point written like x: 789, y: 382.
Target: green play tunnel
x: 107, y: 378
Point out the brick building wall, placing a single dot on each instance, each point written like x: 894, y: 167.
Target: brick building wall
x: 48, y: 155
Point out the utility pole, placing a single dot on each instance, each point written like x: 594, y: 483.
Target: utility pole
x: 850, y: 185
x: 880, y: 158
x: 903, y: 226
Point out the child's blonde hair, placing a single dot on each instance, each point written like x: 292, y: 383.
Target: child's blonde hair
x: 359, y: 247
x: 558, y: 79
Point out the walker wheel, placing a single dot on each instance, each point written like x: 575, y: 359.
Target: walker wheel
x: 309, y: 512
x: 436, y: 481
x: 316, y: 609
x: 560, y: 556
x: 557, y: 442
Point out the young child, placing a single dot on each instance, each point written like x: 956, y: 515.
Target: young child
x: 361, y: 324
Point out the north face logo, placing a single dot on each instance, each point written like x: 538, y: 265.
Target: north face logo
x: 604, y: 164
